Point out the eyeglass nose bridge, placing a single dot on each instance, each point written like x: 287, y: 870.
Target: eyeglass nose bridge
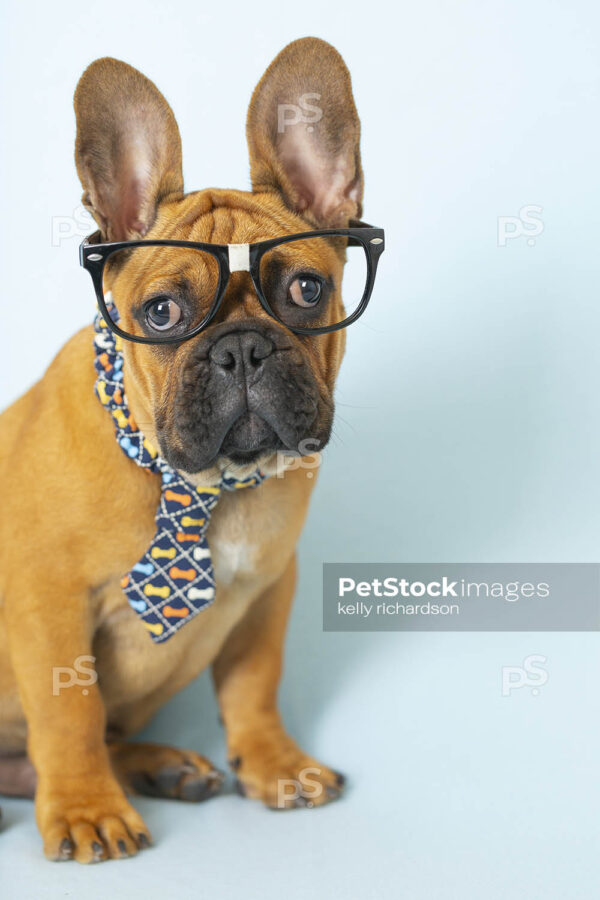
x: 238, y: 257
x: 241, y: 258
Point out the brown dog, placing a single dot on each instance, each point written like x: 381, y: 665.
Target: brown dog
x: 78, y: 513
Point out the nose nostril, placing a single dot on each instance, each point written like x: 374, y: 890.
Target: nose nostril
x: 227, y: 361
x: 258, y: 348
x: 256, y: 359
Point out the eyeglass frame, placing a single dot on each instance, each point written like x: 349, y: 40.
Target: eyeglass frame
x: 93, y: 258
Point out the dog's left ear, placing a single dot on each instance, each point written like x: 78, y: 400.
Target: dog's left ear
x: 304, y: 134
x: 127, y: 150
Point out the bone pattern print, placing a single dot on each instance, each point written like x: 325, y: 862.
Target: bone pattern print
x: 174, y: 580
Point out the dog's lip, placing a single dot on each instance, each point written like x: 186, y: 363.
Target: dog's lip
x: 265, y: 441
x: 270, y: 427
x: 248, y: 435
x: 261, y: 419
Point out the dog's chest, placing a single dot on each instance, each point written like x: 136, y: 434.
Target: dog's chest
x: 233, y: 559
x: 137, y: 675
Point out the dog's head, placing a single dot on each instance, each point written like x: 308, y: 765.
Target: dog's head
x: 246, y: 386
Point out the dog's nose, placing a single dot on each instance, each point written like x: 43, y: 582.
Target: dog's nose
x: 241, y: 352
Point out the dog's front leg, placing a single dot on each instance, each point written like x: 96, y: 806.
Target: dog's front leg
x: 269, y: 765
x: 81, y: 810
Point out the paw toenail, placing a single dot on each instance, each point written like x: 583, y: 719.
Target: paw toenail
x: 143, y: 840
x: 198, y: 789
x: 66, y: 848
x: 122, y: 847
x: 331, y: 791
x: 240, y: 787
x: 340, y: 779
x: 98, y: 849
x: 235, y: 763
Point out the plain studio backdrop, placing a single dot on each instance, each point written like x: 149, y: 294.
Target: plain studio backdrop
x: 467, y: 430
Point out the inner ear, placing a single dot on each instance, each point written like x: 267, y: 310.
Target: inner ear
x: 323, y: 181
x: 304, y: 134
x: 127, y: 150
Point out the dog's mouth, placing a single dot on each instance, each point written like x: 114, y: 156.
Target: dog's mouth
x: 246, y: 436
x: 249, y: 438
x: 243, y: 438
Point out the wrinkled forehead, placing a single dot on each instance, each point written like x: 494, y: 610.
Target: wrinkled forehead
x: 226, y: 217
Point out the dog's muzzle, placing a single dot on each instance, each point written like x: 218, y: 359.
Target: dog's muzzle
x: 246, y: 390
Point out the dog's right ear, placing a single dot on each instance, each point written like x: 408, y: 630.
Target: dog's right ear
x: 128, y: 148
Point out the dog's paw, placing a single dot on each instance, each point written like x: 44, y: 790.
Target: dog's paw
x: 272, y: 768
x: 161, y: 771
x: 89, y: 826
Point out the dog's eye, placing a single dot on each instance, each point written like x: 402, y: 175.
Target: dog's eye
x: 162, y: 313
x: 305, y: 290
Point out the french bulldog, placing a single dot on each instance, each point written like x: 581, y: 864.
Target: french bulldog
x: 78, y: 513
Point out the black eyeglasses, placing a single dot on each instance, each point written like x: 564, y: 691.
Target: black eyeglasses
x: 298, y: 278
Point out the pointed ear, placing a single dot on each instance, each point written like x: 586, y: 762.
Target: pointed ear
x: 304, y: 134
x: 128, y: 149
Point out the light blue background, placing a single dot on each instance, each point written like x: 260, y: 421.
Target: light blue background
x: 467, y: 430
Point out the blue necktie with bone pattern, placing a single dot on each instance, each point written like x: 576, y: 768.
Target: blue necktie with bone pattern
x: 174, y: 580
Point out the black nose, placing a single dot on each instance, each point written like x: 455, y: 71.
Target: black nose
x: 241, y: 353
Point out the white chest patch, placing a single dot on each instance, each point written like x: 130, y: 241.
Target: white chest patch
x: 232, y: 559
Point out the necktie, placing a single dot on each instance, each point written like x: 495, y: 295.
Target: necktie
x: 174, y: 579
